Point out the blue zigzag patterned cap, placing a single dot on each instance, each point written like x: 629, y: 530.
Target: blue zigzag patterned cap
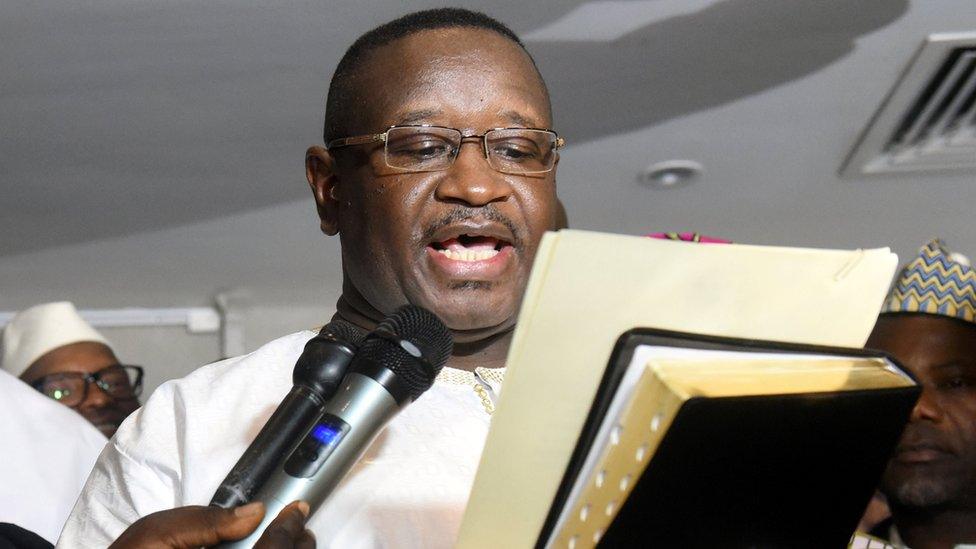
x: 936, y: 282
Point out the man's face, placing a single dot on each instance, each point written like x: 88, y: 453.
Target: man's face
x: 395, y: 226
x: 934, y: 464
x: 101, y: 410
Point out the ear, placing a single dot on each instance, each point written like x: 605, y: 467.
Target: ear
x: 320, y: 172
x: 562, y: 220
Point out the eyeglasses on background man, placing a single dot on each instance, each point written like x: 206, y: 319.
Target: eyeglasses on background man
x: 121, y: 382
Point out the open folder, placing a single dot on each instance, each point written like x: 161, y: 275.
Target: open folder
x: 585, y: 291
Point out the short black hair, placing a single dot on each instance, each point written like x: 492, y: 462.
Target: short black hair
x: 340, y: 101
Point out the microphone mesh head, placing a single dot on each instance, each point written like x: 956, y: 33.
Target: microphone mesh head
x: 345, y: 332
x: 412, y: 326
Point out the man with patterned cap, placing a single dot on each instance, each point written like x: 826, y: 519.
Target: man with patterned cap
x: 53, y: 349
x: 928, y: 324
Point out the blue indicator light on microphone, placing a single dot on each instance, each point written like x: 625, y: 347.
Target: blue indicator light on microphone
x: 325, y: 434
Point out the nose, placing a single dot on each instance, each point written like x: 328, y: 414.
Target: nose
x: 96, y: 397
x: 471, y: 180
x: 927, y: 408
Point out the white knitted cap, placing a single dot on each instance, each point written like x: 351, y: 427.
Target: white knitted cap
x: 33, y: 332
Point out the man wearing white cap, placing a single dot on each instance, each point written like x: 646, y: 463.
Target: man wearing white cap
x: 53, y: 349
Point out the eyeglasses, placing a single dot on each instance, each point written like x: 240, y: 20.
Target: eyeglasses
x: 518, y: 151
x: 71, y: 388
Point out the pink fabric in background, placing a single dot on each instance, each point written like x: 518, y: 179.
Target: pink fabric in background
x: 689, y: 237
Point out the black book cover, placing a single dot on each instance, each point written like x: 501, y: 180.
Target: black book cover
x: 750, y: 471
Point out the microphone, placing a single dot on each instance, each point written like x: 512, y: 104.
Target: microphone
x: 317, y: 375
x: 396, y: 363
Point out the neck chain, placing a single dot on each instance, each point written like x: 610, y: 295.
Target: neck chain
x: 480, y: 380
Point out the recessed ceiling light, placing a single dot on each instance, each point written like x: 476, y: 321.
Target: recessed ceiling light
x: 670, y: 174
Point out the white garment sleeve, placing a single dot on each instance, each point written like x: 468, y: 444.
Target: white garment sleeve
x: 408, y: 491
x: 48, y: 452
x: 175, y: 450
x: 129, y: 481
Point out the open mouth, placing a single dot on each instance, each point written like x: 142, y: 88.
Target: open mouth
x: 470, y: 247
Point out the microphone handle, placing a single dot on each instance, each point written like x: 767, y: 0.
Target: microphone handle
x: 280, y: 435
x: 349, y: 422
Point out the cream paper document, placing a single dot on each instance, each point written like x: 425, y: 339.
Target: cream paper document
x: 587, y: 288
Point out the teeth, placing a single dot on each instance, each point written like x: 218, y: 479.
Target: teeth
x: 469, y: 255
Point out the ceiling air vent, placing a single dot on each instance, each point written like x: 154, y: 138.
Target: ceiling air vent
x: 928, y: 121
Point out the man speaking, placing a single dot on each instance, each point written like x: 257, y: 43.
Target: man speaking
x: 438, y: 175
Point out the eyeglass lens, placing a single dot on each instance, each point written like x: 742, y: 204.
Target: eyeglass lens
x: 431, y: 148
x: 119, y: 382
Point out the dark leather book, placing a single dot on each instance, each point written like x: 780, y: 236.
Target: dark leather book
x: 698, y: 441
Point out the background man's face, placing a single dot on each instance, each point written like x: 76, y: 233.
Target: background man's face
x: 935, y: 462
x: 392, y: 223
x: 101, y: 410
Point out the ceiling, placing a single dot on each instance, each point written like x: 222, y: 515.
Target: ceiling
x: 152, y: 150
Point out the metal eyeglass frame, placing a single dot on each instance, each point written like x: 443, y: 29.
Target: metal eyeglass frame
x: 558, y: 143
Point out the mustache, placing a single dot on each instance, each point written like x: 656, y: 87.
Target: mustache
x: 922, y: 436
x: 483, y: 213
x: 112, y: 413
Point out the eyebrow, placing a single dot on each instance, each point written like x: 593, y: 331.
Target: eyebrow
x: 955, y: 364
x: 518, y: 119
x: 413, y: 117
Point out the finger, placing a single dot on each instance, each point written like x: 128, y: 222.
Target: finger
x: 194, y: 526
x: 287, y: 529
x: 306, y: 541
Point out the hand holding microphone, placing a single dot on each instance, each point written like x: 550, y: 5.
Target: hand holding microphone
x: 197, y: 526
